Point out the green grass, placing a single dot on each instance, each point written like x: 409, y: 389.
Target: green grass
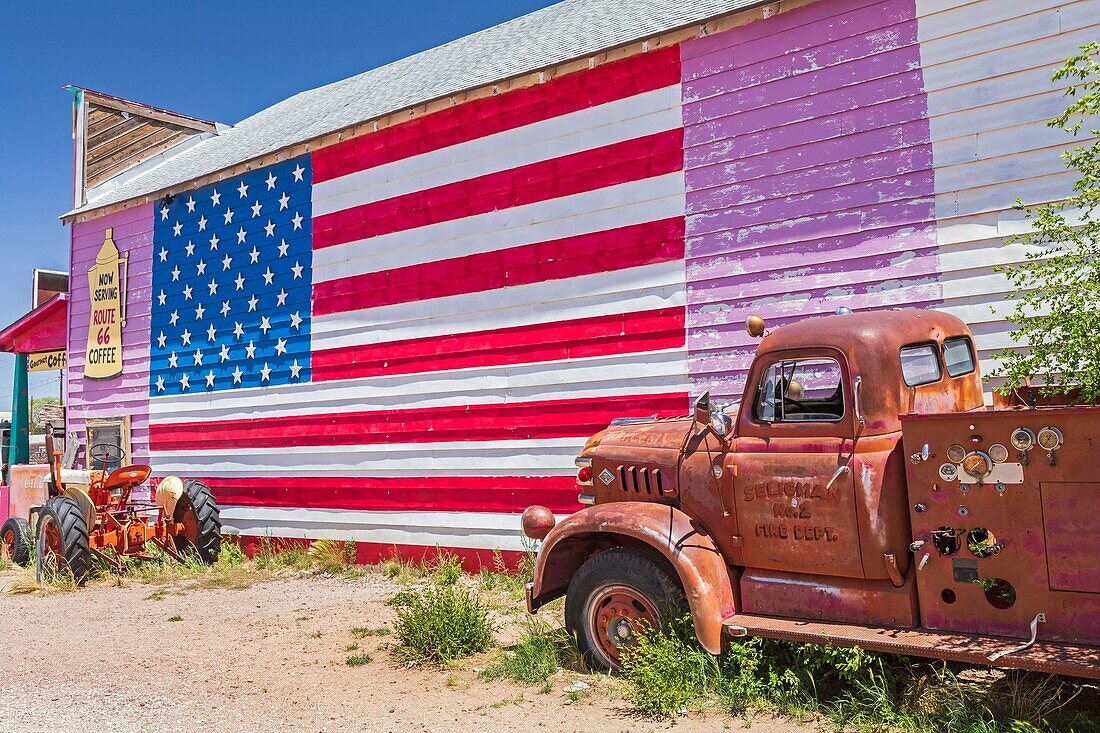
x: 360, y: 632
x: 175, y: 618
x: 541, y: 651
x: 441, y: 623
x: 358, y: 660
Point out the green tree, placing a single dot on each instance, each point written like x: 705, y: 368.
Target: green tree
x: 37, y: 404
x: 1057, y: 287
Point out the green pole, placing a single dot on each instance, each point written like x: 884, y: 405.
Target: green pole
x: 19, y: 449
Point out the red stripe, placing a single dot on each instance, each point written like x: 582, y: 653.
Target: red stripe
x: 481, y: 117
x: 586, y: 337
x: 518, y: 421
x: 373, y: 553
x: 447, y: 493
x: 586, y: 254
x: 631, y: 160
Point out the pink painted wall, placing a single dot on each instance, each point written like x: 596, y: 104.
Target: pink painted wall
x: 128, y: 393
x: 808, y: 167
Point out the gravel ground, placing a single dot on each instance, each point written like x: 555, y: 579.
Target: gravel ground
x: 267, y: 657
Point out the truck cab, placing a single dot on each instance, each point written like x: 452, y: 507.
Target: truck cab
x: 797, y: 509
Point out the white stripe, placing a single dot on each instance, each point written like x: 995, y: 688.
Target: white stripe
x: 637, y: 202
x: 547, y: 457
x: 607, y: 293
x: 595, y: 127
x: 590, y: 378
x: 426, y: 529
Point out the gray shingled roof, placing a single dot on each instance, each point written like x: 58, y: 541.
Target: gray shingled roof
x: 561, y: 32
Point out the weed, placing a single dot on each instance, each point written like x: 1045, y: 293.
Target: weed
x: 358, y: 660
x: 351, y: 648
x: 157, y: 595
x: 446, y: 569
x: 540, y: 652
x: 360, y: 632
x: 332, y: 556
x: 315, y: 634
x: 441, y: 623
x: 175, y: 618
x: 666, y: 672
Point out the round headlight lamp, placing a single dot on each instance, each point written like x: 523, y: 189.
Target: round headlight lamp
x: 1049, y: 438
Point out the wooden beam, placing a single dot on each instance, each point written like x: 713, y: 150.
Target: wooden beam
x: 152, y: 113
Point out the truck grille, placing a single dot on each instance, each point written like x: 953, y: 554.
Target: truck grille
x: 641, y: 480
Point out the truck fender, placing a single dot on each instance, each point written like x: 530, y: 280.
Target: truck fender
x: 685, y: 544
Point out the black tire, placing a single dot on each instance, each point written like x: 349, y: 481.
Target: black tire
x: 71, y: 551
x: 198, y: 511
x: 15, y: 536
x: 646, y: 577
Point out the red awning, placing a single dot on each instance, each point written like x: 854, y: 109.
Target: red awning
x: 43, y: 329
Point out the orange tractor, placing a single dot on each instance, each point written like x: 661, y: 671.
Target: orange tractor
x: 94, y: 513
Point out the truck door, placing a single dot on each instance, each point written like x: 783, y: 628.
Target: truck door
x: 795, y: 499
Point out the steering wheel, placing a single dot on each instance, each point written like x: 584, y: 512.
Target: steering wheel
x: 104, y: 454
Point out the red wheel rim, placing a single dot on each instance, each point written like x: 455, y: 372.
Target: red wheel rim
x: 617, y: 613
x: 190, y: 522
x: 8, y: 544
x: 52, y: 537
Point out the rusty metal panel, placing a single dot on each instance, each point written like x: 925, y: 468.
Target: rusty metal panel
x: 1073, y: 535
x: 824, y: 598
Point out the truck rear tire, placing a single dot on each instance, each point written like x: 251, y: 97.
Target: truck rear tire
x: 15, y: 538
x: 198, y: 512
x: 64, y: 534
x: 612, y: 596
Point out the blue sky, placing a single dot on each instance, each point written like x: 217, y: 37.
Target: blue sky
x: 215, y: 60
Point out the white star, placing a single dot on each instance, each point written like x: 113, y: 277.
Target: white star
x: 160, y: 384
x: 297, y: 269
x: 175, y: 274
x: 297, y: 220
x: 227, y: 262
x: 202, y: 223
x: 215, y: 198
x: 214, y: 242
x: 239, y: 280
x: 201, y: 268
x: 198, y: 357
x: 161, y: 340
x: 211, y: 332
x: 280, y: 346
x: 250, y: 350
x: 190, y: 248
x: 256, y: 209
x: 213, y: 287
x: 224, y: 353
x: 269, y: 276
x: 163, y: 254
x: 265, y: 324
x: 237, y: 375
x: 187, y: 292
x: 281, y: 298
x: 210, y: 379
x: 177, y: 229
x: 199, y: 311
x: 295, y: 370
x: 252, y: 303
x: 283, y: 247
x: 295, y: 320
x: 225, y: 309
x: 284, y: 201
x: 164, y: 213
x: 270, y: 228
x: 241, y: 235
x: 242, y: 189
x: 238, y: 330
x: 172, y: 361
x: 173, y: 318
x: 254, y: 255
x: 271, y: 181
x: 185, y: 382
x: 265, y: 373
x: 298, y: 171
x: 186, y: 336
x: 190, y: 205
x: 228, y: 215
x: 162, y: 298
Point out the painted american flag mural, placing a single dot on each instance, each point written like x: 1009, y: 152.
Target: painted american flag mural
x: 406, y: 338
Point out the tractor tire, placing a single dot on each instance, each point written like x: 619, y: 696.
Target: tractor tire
x: 198, y: 512
x: 16, y: 540
x: 611, y: 596
x: 64, y: 533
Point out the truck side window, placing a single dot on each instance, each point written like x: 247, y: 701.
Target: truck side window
x: 805, y: 390
x: 920, y: 364
x: 959, y: 356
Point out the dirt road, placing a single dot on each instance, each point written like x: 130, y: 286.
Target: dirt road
x: 268, y: 657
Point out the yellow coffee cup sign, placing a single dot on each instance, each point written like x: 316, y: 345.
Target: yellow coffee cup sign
x: 107, y: 292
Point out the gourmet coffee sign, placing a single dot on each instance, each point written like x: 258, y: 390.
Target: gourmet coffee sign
x: 107, y: 292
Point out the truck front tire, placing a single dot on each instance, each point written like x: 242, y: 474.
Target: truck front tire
x: 613, y: 597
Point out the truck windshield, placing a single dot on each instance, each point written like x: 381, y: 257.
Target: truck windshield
x: 800, y: 391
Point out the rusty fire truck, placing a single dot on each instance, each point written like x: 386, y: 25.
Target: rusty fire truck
x: 863, y: 495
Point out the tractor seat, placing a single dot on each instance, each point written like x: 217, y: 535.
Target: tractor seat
x: 127, y: 476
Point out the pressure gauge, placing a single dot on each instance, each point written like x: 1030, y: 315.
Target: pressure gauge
x: 998, y: 453
x: 977, y: 465
x: 1022, y: 439
x: 949, y: 471
x: 956, y: 453
x: 1049, y: 438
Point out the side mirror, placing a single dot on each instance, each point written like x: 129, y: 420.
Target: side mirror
x: 702, y: 409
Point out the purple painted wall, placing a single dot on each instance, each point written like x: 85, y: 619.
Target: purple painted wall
x: 809, y: 176
x: 128, y: 393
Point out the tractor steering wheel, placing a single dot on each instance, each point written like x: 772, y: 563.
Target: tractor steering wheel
x: 105, y: 453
